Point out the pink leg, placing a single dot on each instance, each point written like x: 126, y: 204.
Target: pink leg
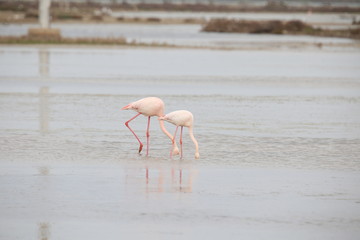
x: 147, y: 137
x: 127, y: 124
x: 173, y: 141
x: 181, y: 148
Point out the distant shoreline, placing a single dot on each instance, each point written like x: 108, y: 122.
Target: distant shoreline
x: 293, y: 27
x: 7, y: 41
x: 211, y: 6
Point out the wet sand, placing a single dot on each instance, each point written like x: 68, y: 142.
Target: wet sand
x: 278, y: 133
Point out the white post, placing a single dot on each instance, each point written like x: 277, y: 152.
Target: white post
x: 44, y: 13
x: 44, y: 32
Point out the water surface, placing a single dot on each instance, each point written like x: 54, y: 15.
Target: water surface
x: 278, y: 132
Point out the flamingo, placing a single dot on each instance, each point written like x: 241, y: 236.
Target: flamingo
x: 150, y: 106
x: 182, y: 118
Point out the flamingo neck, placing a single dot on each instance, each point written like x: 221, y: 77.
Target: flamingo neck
x: 162, y: 126
x: 197, y: 155
x: 175, y: 149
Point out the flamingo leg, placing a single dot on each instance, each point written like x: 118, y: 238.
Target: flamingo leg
x: 181, y: 147
x: 127, y: 125
x: 147, y: 137
x: 173, y: 142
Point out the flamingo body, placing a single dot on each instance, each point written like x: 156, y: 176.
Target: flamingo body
x: 180, y: 118
x: 150, y: 106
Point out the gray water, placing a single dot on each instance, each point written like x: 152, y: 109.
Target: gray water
x: 279, y: 136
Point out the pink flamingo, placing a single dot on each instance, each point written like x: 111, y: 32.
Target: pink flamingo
x: 150, y: 106
x: 182, y: 118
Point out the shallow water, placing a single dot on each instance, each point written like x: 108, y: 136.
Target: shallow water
x: 278, y: 132
x: 92, y: 202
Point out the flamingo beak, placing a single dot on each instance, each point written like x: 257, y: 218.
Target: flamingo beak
x: 163, y: 118
x: 127, y: 107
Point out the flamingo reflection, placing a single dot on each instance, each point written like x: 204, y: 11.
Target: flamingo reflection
x: 44, y: 231
x: 177, y: 179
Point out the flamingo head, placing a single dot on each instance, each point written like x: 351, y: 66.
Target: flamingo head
x: 166, y: 118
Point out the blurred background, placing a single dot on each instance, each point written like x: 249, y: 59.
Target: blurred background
x: 184, y: 23
x: 274, y: 87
